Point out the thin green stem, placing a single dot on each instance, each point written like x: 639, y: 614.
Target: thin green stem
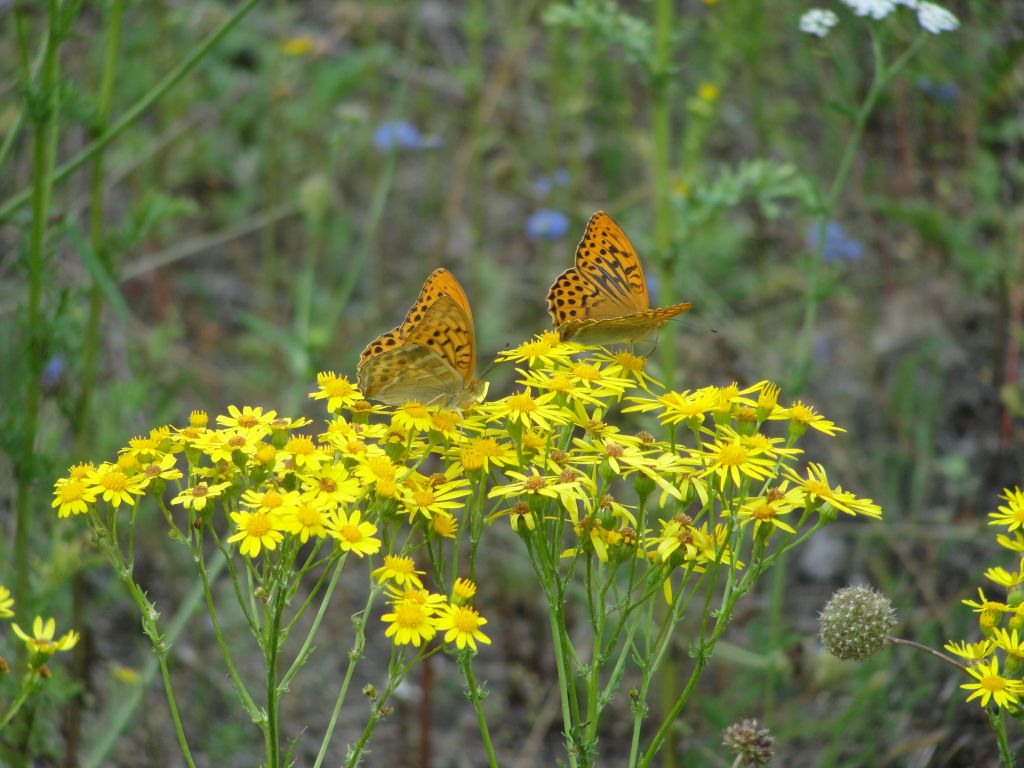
x: 307, y: 644
x: 158, y: 91
x: 466, y: 665
x: 997, y: 720
x: 28, y: 686
x: 354, y: 655
x: 273, y: 640
x: 564, y: 682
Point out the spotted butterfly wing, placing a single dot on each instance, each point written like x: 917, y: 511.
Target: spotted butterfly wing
x: 431, y: 357
x: 439, y: 282
x: 603, y: 298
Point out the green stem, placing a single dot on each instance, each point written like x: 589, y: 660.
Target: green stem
x: 158, y: 91
x: 300, y: 657
x: 28, y: 685
x: 273, y: 641
x: 997, y: 720
x: 354, y: 655
x: 466, y: 665
x: 43, y: 153
x: 564, y: 683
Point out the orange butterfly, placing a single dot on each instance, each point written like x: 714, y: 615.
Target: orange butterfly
x: 603, y: 298
x: 431, y: 356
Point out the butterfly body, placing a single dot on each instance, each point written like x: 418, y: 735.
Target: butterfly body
x: 602, y: 298
x: 431, y: 356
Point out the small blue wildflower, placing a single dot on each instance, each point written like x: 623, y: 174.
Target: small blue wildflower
x: 547, y: 224
x: 561, y: 177
x: 542, y: 185
x: 944, y: 93
x: 401, y: 134
x: 839, y: 246
x: 53, y: 374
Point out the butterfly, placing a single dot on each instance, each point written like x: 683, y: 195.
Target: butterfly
x: 603, y: 298
x: 431, y: 356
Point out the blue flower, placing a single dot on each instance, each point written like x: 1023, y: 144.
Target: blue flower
x: 542, y: 185
x: 547, y: 224
x: 401, y: 134
x: 944, y: 93
x: 53, y: 374
x: 839, y: 246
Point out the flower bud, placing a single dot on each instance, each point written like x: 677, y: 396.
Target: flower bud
x: 855, y: 623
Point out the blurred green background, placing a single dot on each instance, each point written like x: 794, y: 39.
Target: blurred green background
x: 280, y: 203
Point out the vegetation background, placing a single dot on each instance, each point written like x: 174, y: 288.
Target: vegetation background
x: 264, y: 210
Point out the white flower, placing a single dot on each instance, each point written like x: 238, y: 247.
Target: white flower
x: 876, y: 9
x: 818, y: 22
x: 936, y: 19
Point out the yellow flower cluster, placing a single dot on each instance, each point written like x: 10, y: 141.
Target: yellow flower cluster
x: 1001, y: 623
x: 549, y: 456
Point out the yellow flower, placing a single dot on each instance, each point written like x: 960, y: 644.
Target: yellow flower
x: 991, y: 685
x: 72, y: 497
x: 304, y: 453
x: 161, y: 467
x: 676, y: 407
x: 352, y: 534
x: 427, y: 499
x: 801, y: 416
x: 412, y: 416
x: 816, y: 487
x: 971, y: 651
x: 41, y: 643
x: 765, y: 510
x: 567, y: 490
x: 412, y: 619
x: 481, y: 453
x: 626, y: 365
x: 337, y: 390
x: 708, y: 92
x: 463, y: 590
x: 248, y: 418
x: 524, y: 409
x: 115, y: 486
x: 399, y: 569
x: 197, y: 496
x: 444, y: 525
x: 461, y: 625
x: 1012, y: 513
x: 256, y: 531
x: 307, y: 518
x: 733, y: 458
x: 331, y: 484
x: 6, y: 603
x: 546, y: 349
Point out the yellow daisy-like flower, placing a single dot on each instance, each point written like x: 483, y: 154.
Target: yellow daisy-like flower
x: 399, y: 569
x: 626, y: 365
x: 428, y: 499
x: 523, y: 409
x: 816, y: 487
x: 160, y: 468
x: 482, y: 453
x: 271, y: 501
x: 199, y: 494
x: 41, y: 642
x: 1010, y: 514
x: 558, y: 381
x: 256, y: 531
x: 248, y: 418
x: 461, y: 625
x: 676, y: 407
x: 801, y: 416
x: 764, y: 511
x: 115, y: 486
x: 353, y: 535
x: 307, y: 518
x: 971, y: 651
x: 304, y: 453
x: 412, y: 416
x: 72, y: 496
x: 6, y: 603
x: 331, y: 484
x: 991, y: 685
x: 412, y: 619
x: 1009, y: 642
x: 446, y: 423
x: 337, y: 390
x: 731, y: 458
x: 1004, y: 578
x: 567, y: 490
x: 546, y: 349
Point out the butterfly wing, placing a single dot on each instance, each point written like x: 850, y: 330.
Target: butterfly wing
x: 439, y: 282
x: 606, y: 281
x: 430, y: 358
x: 616, y: 330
